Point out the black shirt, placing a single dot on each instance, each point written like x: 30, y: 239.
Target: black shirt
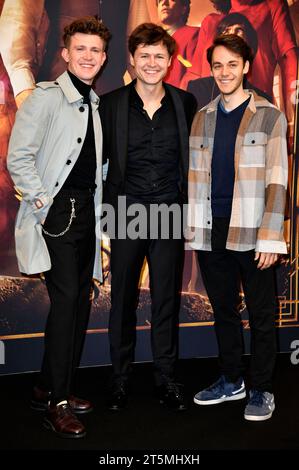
x: 83, y: 173
x: 152, y: 173
x: 223, y: 164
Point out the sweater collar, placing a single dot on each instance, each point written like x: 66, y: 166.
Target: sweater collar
x: 254, y: 102
x: 83, y: 88
x: 70, y: 91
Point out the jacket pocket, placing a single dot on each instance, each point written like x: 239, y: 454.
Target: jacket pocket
x: 200, y: 159
x: 253, y: 151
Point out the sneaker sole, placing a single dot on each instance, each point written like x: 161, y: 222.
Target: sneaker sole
x: 258, y: 418
x: 240, y: 396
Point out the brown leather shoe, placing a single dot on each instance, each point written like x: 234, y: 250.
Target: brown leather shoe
x: 79, y: 406
x: 61, y: 420
x: 40, y: 401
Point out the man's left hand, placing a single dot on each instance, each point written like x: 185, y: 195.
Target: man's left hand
x: 265, y: 260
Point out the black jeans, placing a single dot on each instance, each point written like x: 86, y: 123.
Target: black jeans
x: 222, y: 271
x: 69, y: 285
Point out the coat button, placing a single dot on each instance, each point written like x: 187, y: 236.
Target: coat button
x: 81, y: 109
x: 68, y: 162
x: 79, y: 140
x: 253, y: 141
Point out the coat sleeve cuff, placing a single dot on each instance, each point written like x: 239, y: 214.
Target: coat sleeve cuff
x: 41, y: 211
x: 271, y: 246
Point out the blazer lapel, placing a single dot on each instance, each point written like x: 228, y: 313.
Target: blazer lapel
x: 182, y: 128
x: 122, y: 130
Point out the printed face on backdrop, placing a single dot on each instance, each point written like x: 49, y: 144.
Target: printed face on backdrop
x: 170, y: 11
x: 85, y: 56
x: 228, y: 70
x: 150, y: 63
x: 238, y: 29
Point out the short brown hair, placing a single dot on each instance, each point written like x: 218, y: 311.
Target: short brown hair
x: 149, y: 34
x: 233, y: 43
x: 86, y: 25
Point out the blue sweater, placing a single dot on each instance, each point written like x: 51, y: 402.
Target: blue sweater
x: 223, y: 171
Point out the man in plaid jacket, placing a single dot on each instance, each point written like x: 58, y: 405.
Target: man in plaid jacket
x: 237, y: 190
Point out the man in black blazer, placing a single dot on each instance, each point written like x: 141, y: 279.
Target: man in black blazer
x: 146, y: 128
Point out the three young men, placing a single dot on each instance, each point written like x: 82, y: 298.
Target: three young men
x: 237, y: 182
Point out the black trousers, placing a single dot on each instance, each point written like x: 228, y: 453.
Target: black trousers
x: 222, y: 271
x: 69, y: 285
x: 165, y: 261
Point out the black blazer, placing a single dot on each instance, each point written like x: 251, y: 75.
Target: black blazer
x: 114, y: 112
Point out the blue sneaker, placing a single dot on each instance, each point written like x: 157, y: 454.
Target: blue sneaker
x: 260, y: 406
x: 221, y: 391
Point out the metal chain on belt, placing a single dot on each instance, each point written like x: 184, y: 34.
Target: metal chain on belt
x: 72, y: 216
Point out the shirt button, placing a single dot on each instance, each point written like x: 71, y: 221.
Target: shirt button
x: 253, y: 141
x: 81, y: 109
x: 208, y: 222
x: 201, y: 146
x: 79, y: 140
x: 208, y: 198
x: 57, y: 184
x: 68, y: 162
x: 56, y: 83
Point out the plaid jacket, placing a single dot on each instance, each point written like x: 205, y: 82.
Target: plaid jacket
x: 261, y: 173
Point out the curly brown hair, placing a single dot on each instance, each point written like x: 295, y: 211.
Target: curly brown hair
x: 86, y: 25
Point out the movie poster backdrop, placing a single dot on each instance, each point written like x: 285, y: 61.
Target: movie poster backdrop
x: 30, y: 45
